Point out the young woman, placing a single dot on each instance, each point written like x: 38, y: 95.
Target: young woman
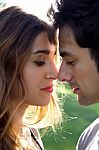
x: 27, y: 74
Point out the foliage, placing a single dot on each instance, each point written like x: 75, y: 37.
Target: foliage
x: 2, y: 4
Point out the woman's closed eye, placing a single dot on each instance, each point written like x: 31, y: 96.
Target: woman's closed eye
x: 39, y: 62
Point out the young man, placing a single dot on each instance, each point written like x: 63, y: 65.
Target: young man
x: 78, y: 23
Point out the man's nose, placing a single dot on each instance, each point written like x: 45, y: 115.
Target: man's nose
x: 65, y: 73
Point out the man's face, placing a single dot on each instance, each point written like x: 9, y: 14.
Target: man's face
x: 78, y: 69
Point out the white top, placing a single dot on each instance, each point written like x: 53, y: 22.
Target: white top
x: 89, y: 139
x: 26, y: 139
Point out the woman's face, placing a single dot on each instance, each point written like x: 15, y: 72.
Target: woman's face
x: 40, y: 71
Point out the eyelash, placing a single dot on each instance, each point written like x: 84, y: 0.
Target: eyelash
x: 70, y: 62
x: 39, y: 63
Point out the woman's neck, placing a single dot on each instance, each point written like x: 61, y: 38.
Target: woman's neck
x: 17, y: 119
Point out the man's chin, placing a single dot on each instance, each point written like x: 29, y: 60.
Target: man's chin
x: 85, y: 101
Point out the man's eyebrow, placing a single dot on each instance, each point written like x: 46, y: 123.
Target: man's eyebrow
x: 44, y: 51
x: 64, y: 54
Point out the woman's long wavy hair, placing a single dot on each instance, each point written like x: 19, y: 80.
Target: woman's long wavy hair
x: 18, y: 30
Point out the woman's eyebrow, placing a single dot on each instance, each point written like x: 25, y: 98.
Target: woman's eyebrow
x: 44, y: 51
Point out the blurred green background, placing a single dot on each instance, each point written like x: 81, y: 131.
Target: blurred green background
x: 65, y: 138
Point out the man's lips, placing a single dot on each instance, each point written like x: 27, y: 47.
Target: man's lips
x: 48, y: 89
x: 75, y: 89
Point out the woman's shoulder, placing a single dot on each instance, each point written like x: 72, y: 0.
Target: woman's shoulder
x: 37, y: 136
x: 36, y: 132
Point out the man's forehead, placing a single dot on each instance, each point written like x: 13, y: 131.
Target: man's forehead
x: 66, y: 36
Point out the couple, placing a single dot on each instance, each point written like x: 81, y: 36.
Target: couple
x: 28, y: 70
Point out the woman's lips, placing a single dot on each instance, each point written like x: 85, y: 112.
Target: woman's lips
x: 48, y: 89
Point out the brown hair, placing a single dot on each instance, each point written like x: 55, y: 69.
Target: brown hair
x: 18, y: 30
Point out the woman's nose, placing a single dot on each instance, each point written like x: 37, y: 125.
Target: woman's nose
x: 52, y: 71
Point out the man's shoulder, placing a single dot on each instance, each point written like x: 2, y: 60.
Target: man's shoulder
x: 94, y: 123
x: 90, y: 134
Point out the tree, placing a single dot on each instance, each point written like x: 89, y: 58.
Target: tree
x: 2, y: 4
